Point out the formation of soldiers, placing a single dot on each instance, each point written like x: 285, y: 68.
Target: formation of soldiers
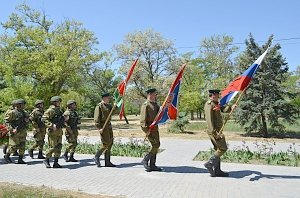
x: 53, y: 120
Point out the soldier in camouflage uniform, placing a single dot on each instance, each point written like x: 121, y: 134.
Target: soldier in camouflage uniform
x: 149, y: 111
x: 72, y: 120
x: 214, y: 121
x: 54, y: 121
x: 101, y: 113
x: 17, y: 121
x: 12, y: 107
x: 39, y: 129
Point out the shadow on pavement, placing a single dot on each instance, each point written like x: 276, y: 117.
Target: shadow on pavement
x: 79, y: 164
x: 183, y: 169
x: 126, y: 165
x: 258, y: 175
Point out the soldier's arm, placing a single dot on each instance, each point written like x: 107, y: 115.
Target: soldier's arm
x: 97, y: 117
x: 7, y: 119
x: 48, y: 115
x: 143, y: 118
x: 209, y: 117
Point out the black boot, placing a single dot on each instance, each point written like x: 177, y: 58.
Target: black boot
x: 20, y: 160
x: 97, y: 159
x: 65, y: 155
x: 211, y: 165
x: 4, y: 149
x: 40, y: 156
x: 145, y: 162
x: 72, y: 159
x: 56, y: 164
x: 30, y: 152
x: 218, y: 171
x: 7, y: 158
x: 107, y: 159
x: 153, y: 167
x: 47, y: 163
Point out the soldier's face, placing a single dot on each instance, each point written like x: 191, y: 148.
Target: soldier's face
x: 106, y: 99
x: 215, y: 96
x: 57, y: 103
x: 153, y: 96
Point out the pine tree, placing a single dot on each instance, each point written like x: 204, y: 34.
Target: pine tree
x: 265, y: 101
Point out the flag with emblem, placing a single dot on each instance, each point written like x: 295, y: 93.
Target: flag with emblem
x: 169, y: 109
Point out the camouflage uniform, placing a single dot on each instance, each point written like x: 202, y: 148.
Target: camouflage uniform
x: 39, y: 130
x: 53, y: 119
x: 71, y: 132
x: 17, y: 121
x: 12, y: 107
x: 101, y: 113
x: 214, y: 122
x: 149, y: 111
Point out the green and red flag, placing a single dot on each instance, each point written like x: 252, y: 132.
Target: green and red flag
x: 120, y: 91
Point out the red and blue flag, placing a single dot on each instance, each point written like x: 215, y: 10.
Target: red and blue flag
x: 241, y: 82
x: 169, y: 109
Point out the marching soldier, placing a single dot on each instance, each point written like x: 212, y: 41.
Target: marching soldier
x: 149, y: 111
x: 71, y: 121
x: 17, y: 121
x: 101, y: 113
x: 214, y: 121
x: 12, y: 107
x: 39, y: 129
x: 54, y: 121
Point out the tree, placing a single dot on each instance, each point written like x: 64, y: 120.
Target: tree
x: 156, y: 59
x: 40, y: 59
x: 216, y: 60
x: 264, y: 101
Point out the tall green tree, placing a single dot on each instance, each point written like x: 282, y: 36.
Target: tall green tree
x: 40, y: 59
x: 264, y: 102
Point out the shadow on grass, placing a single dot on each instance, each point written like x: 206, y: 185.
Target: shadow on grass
x: 275, y: 134
x: 258, y: 175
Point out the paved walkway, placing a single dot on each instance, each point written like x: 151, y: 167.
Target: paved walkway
x: 182, y: 177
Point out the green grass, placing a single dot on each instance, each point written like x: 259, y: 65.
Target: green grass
x: 134, y: 148
x: 263, y: 156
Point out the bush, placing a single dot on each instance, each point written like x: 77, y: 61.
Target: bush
x: 178, y: 126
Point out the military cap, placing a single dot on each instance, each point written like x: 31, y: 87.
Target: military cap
x: 105, y: 94
x: 20, y: 101
x: 213, y: 91
x: 13, y: 102
x: 38, y: 102
x: 55, y: 99
x: 150, y: 90
x: 71, y: 102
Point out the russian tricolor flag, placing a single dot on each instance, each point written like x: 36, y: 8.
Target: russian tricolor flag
x: 169, y: 109
x: 241, y: 82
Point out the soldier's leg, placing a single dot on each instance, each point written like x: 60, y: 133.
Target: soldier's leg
x: 50, y: 150
x: 105, y: 139
x: 12, y: 147
x: 221, y: 149
x: 35, y: 144
x: 57, y: 150
x: 21, y: 152
x: 108, y: 152
x: 155, y: 148
x: 5, y: 147
x: 65, y: 155
x: 41, y: 143
x: 153, y: 138
x: 73, y: 145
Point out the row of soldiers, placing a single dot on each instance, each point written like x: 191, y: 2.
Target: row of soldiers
x: 53, y: 119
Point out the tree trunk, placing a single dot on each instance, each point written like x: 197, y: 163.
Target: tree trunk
x: 264, y: 123
x: 192, y: 115
x: 197, y: 114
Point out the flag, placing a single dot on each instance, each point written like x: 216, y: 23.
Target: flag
x: 120, y: 90
x: 169, y: 109
x: 241, y: 82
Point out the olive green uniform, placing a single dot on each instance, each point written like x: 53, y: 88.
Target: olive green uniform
x: 39, y: 128
x: 17, y: 119
x: 71, y: 131
x: 5, y: 115
x: 149, y: 111
x: 52, y: 116
x: 101, y: 113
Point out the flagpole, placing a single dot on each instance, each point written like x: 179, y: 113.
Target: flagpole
x: 230, y: 113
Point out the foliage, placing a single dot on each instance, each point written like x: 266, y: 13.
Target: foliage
x: 265, y: 99
x: 157, y: 58
x: 178, y: 126
x: 263, y: 155
x: 39, y: 59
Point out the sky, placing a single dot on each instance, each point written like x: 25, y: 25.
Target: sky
x: 185, y: 22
